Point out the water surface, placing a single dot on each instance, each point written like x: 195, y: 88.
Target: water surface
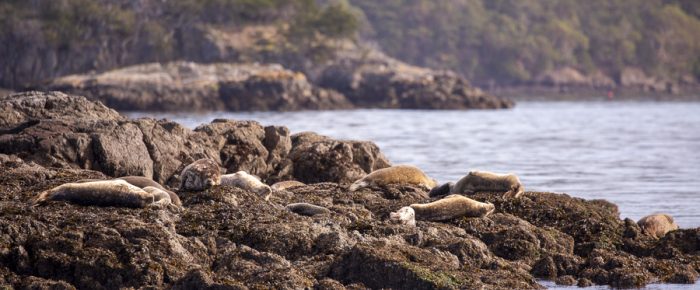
x: 643, y: 156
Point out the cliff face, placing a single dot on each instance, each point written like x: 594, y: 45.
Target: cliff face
x: 226, y: 237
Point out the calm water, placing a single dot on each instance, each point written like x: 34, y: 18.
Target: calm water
x: 643, y: 156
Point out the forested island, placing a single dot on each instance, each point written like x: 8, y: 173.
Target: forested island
x: 649, y: 45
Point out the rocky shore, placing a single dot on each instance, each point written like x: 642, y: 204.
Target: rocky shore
x: 228, y: 238
x: 379, y: 82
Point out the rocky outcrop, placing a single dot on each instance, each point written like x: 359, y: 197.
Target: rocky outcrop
x: 227, y: 237
x: 374, y: 80
x: 187, y: 86
x: 58, y: 130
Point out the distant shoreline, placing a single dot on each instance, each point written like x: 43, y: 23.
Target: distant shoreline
x: 571, y: 93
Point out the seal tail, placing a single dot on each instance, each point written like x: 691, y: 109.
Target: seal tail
x: 514, y: 192
x: 358, y: 184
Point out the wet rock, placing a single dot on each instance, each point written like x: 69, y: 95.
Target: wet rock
x: 566, y: 280
x: 188, y: 86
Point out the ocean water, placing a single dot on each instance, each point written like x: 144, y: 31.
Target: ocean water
x: 643, y: 156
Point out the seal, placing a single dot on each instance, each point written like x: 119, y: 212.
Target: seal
x: 200, y: 175
x: 395, y: 174
x: 242, y: 179
x: 307, y: 209
x: 284, y: 185
x: 441, y: 190
x: 657, y: 225
x: 144, y: 182
x: 404, y: 216
x: 488, y: 181
x: 105, y: 193
x: 451, y: 207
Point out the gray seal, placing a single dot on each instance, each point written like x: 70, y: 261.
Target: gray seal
x: 105, y: 193
x: 307, y: 209
x: 451, y: 207
x: 477, y: 181
x: 143, y: 182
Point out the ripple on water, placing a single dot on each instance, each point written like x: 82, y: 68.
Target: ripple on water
x: 643, y: 156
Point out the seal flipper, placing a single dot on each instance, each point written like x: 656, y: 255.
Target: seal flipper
x: 358, y: 184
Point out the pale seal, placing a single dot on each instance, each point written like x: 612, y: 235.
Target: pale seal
x: 242, y: 179
x: 477, y: 181
x: 284, y: 185
x: 451, y: 207
x: 200, y: 175
x: 105, y: 193
x: 404, y: 216
x: 307, y: 209
x: 398, y: 174
x: 143, y: 182
x: 657, y: 225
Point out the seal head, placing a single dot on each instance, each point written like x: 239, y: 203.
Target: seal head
x: 404, y: 216
x: 200, y: 175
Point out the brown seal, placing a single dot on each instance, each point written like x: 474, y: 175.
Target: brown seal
x: 451, y: 207
x: 242, y: 179
x: 477, y: 181
x: 200, y: 175
x: 105, y: 193
x: 284, y: 185
x: 398, y: 174
x: 657, y: 225
x: 143, y: 182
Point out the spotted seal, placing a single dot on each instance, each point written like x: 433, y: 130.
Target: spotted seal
x: 657, y: 225
x: 105, y: 193
x: 398, y: 174
x: 246, y: 181
x: 451, y: 207
x: 477, y: 181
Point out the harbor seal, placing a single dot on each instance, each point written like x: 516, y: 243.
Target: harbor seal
x: 441, y: 190
x: 200, y: 175
x: 105, y: 193
x: 451, y: 207
x: 284, y: 185
x: 657, y: 225
x: 307, y: 209
x: 144, y: 182
x: 395, y: 174
x: 488, y: 181
x: 404, y: 216
x: 242, y: 179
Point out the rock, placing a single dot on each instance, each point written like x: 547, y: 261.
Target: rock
x: 566, y: 280
x: 378, y: 81
x: 230, y: 238
x: 161, y: 149
x: 33, y: 106
x: 318, y: 158
x: 188, y: 86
